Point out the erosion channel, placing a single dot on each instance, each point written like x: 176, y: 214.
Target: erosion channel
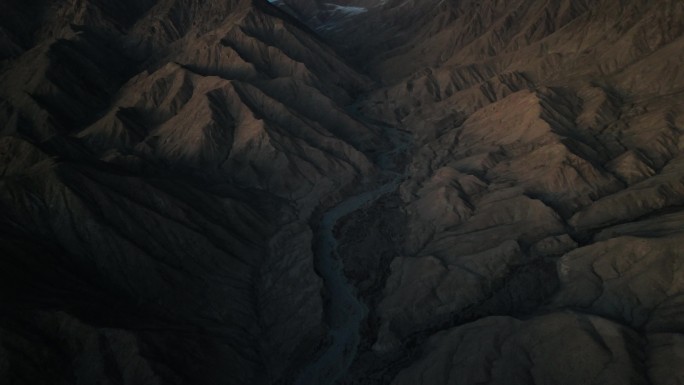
x: 345, y: 310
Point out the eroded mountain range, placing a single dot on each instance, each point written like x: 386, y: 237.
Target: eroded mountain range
x: 169, y: 170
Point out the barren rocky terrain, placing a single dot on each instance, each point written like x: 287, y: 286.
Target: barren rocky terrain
x: 380, y: 192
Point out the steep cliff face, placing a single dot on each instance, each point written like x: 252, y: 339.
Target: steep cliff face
x: 165, y: 164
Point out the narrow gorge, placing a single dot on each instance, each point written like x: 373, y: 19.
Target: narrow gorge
x: 381, y: 192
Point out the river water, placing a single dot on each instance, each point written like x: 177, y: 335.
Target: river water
x: 345, y: 310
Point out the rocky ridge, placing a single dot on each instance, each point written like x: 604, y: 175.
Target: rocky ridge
x: 160, y: 165
x: 164, y: 165
x: 540, y: 218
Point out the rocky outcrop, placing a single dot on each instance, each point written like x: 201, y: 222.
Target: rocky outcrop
x: 504, y: 350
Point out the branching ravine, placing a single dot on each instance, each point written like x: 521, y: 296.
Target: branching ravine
x: 345, y: 309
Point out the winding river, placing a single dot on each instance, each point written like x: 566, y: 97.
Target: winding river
x: 345, y: 310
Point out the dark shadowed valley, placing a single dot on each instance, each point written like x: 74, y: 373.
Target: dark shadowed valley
x: 381, y: 192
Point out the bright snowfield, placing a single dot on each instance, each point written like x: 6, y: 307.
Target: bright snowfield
x: 332, y: 14
x: 346, y: 10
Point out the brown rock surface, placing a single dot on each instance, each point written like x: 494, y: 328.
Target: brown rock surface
x: 160, y: 165
x: 171, y: 170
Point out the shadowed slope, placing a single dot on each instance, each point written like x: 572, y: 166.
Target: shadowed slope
x: 161, y: 162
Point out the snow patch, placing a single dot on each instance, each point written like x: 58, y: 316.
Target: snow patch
x: 342, y: 10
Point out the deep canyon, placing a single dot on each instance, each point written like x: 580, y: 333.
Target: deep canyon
x: 347, y: 192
